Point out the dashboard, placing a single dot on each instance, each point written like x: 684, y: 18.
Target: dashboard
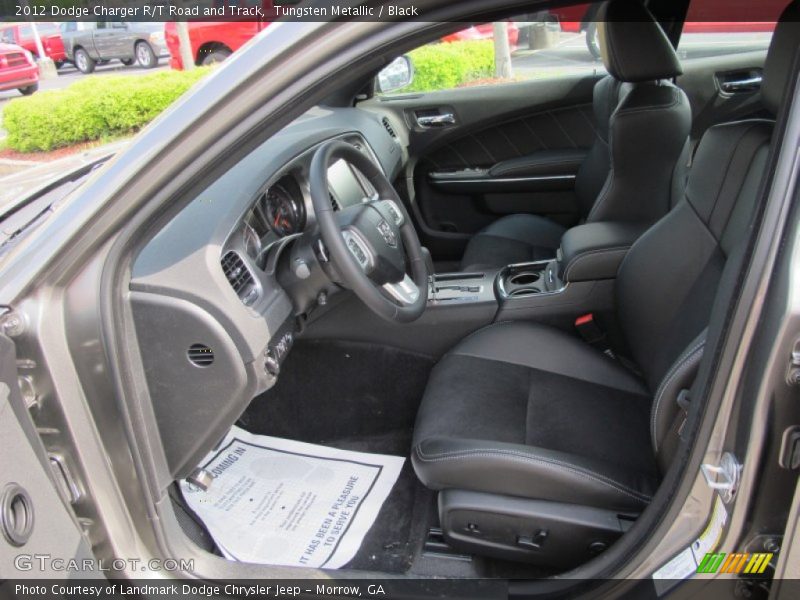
x: 211, y: 318
x: 283, y: 209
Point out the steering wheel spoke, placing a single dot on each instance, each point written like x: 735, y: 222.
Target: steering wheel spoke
x: 405, y: 292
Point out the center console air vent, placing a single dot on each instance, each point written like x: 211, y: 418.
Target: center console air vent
x: 334, y: 203
x: 240, y: 277
x: 387, y: 124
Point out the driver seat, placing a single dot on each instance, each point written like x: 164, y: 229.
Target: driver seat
x: 544, y: 448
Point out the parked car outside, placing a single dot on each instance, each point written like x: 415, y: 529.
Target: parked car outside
x: 86, y: 44
x: 214, y: 41
x: 18, y: 69
x: 484, y: 31
x: 21, y: 34
x: 211, y: 41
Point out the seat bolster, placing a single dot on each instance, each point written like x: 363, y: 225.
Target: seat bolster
x: 529, y: 472
x: 545, y: 348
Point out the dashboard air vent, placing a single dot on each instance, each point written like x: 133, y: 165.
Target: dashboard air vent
x: 200, y: 355
x: 334, y: 203
x: 388, y: 126
x: 240, y: 278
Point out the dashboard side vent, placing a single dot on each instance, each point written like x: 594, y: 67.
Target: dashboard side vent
x: 240, y: 277
x: 334, y: 203
x: 387, y: 124
x: 200, y: 355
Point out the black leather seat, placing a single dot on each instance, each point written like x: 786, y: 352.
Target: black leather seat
x: 521, y: 412
x: 642, y: 124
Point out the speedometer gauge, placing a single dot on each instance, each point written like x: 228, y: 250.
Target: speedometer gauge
x: 284, y: 211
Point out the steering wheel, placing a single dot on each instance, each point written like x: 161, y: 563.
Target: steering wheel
x: 372, y: 245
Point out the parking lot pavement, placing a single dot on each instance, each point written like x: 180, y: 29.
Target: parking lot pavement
x: 570, y: 54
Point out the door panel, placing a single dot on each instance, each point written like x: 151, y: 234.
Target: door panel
x: 41, y: 524
x: 501, y: 149
x: 555, y: 129
x: 704, y: 81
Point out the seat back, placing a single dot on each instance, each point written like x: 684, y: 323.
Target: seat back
x: 642, y: 121
x: 686, y: 264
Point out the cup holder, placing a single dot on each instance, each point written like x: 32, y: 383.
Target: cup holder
x: 525, y: 278
x: 526, y: 291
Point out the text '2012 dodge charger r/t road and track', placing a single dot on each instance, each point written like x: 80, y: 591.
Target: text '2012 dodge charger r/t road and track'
x: 521, y: 334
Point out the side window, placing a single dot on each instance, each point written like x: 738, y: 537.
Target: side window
x: 7, y: 36
x: 541, y: 45
x: 717, y: 29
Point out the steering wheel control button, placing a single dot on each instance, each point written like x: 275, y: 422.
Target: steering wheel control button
x: 357, y: 249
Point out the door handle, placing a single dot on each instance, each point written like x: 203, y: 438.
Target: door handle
x: 432, y: 121
x: 747, y: 84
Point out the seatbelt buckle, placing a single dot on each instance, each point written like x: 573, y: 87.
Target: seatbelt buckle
x: 589, y: 330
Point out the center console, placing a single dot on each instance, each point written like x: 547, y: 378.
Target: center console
x: 580, y: 279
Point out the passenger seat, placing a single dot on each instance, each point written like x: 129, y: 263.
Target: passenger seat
x: 642, y: 125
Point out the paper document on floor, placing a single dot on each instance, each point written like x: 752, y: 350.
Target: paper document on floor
x: 281, y: 502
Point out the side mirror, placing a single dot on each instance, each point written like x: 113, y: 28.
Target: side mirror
x: 397, y: 74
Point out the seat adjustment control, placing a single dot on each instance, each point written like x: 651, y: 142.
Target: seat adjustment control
x: 532, y: 542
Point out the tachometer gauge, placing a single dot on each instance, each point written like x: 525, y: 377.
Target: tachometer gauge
x: 251, y: 241
x: 285, y: 212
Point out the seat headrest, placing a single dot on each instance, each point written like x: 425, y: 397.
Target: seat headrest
x: 782, y: 49
x: 633, y: 45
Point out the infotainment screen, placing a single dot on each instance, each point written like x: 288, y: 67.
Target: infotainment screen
x: 344, y: 184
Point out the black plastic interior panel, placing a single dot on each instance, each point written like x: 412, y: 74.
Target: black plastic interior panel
x: 195, y: 374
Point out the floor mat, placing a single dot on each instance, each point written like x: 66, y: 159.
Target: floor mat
x: 277, y: 501
x: 358, y: 397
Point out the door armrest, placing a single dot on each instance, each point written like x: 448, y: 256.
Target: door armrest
x: 541, y: 164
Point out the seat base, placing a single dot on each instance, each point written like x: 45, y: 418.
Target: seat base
x: 548, y: 534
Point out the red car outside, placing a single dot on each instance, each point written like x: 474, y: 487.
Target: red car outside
x: 211, y: 41
x: 21, y: 34
x: 484, y: 31
x: 18, y: 69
